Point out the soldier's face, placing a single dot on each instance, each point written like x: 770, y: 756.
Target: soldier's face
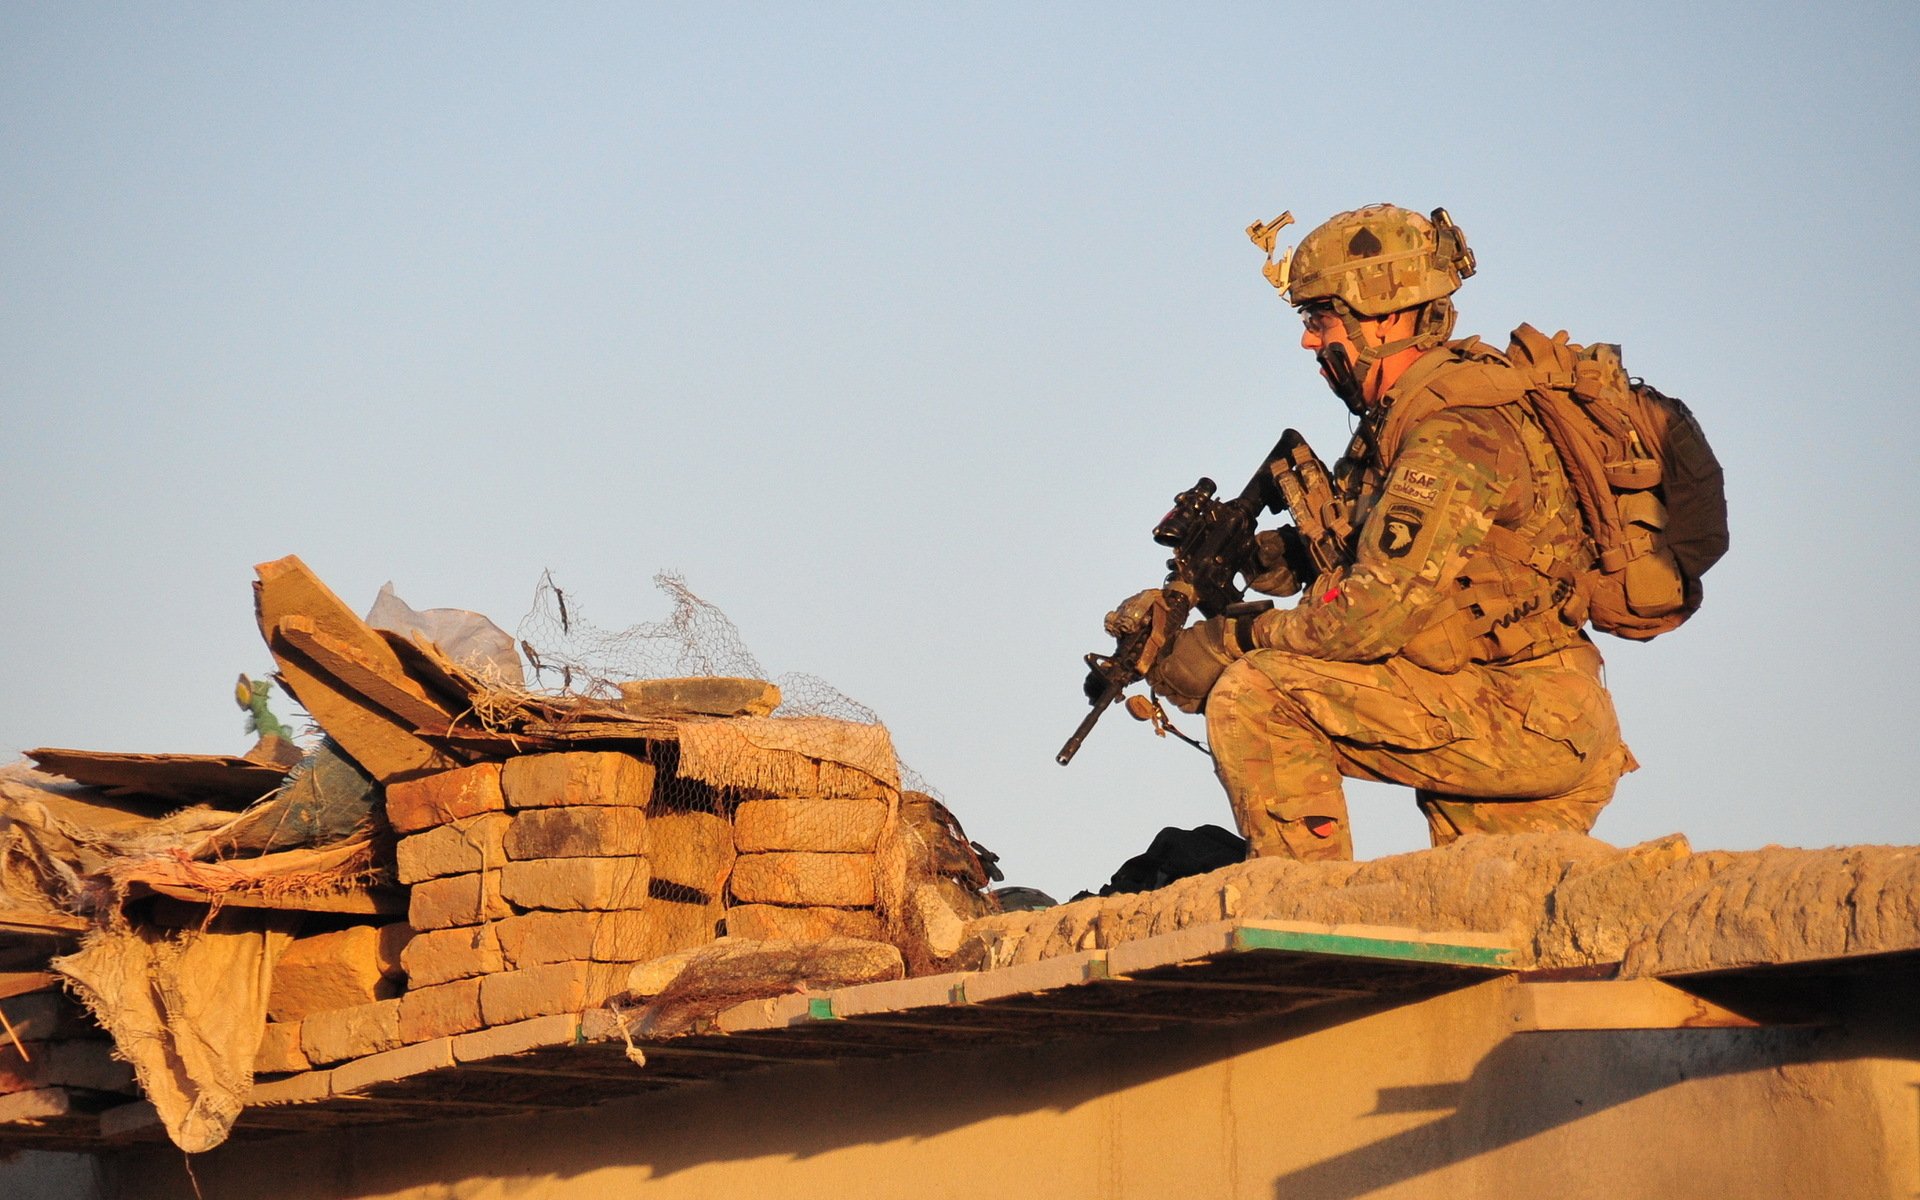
x: 1326, y: 336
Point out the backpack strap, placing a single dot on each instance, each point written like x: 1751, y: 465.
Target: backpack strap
x: 1551, y: 361
x: 1462, y: 374
x: 1559, y: 366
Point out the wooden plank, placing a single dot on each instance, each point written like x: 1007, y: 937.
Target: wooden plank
x: 706, y: 695
x: 395, y: 693
x: 440, y: 679
x: 1046, y: 974
x: 1355, y: 942
x: 36, y: 1105
x: 222, y: 780
x: 20, y: 983
x: 386, y: 747
x: 487, y: 743
x: 455, y: 690
x: 125, y: 1120
x: 382, y: 901
x: 34, y: 924
x: 598, y: 729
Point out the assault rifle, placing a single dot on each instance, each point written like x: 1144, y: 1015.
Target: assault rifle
x: 1212, y: 542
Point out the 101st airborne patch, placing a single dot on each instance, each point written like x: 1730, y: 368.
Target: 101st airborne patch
x: 1399, y: 529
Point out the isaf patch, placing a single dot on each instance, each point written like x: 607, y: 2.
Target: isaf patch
x: 1400, y: 529
x: 1421, y: 487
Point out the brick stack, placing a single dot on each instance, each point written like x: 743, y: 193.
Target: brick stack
x: 536, y: 884
x: 807, y: 866
x: 692, y: 859
x: 49, y: 1048
x: 346, y: 983
x: 530, y: 888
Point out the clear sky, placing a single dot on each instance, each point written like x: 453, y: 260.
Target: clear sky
x: 894, y: 328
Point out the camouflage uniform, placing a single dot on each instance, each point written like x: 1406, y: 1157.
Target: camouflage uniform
x: 1448, y: 653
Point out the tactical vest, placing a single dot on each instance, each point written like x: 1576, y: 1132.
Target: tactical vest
x: 1521, y: 593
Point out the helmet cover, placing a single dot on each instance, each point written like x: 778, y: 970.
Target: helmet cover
x: 1374, y: 260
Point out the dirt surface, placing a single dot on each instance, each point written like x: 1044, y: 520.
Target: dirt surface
x: 1561, y: 900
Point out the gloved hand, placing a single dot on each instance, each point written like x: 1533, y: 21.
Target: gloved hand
x: 1193, y: 663
x: 1143, y: 611
x: 1278, y: 561
x: 1136, y: 612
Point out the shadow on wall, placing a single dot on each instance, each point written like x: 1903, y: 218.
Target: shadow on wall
x: 953, y: 1120
x: 1534, y: 1083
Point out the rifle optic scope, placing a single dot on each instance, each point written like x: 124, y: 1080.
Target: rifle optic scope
x: 1188, y: 507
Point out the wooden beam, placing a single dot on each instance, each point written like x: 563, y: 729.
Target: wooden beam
x: 709, y: 695
x: 597, y: 729
x: 357, y: 900
x: 1359, y: 941
x: 385, y: 745
x: 392, y: 691
x: 35, y: 924
x: 222, y: 780
x: 20, y: 983
x: 36, y: 1105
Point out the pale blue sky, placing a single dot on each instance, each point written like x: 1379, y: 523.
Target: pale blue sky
x: 895, y: 327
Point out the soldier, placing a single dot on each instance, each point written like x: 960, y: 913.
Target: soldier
x: 1448, y: 652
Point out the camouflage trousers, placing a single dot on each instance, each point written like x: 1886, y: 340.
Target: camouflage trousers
x: 1522, y: 747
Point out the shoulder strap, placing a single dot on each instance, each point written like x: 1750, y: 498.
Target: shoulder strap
x: 1472, y: 375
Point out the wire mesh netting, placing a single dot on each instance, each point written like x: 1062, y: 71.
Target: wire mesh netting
x: 567, y: 654
x: 774, y: 815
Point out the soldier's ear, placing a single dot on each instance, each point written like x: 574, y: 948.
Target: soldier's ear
x: 1394, y: 326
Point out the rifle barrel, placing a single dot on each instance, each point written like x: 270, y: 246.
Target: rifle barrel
x: 1087, y: 723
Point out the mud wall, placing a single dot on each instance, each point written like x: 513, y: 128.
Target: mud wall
x: 1436, y: 1099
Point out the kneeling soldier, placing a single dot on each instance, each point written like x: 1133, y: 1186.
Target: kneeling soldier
x: 1447, y: 651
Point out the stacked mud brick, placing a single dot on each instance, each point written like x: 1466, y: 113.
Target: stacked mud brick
x: 53, y: 1058
x: 335, y: 996
x: 808, y: 867
x: 536, y: 884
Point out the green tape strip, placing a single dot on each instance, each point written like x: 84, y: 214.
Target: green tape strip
x: 820, y: 1008
x: 1351, y: 946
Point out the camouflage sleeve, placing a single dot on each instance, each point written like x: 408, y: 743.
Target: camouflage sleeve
x: 1453, y: 475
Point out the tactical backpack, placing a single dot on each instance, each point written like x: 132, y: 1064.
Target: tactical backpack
x: 1648, y: 485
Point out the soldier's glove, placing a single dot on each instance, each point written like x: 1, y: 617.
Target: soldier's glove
x: 1143, y: 612
x: 1137, y: 612
x: 1280, y: 564
x: 1195, y: 660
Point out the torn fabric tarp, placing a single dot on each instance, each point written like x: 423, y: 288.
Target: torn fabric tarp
x: 187, y: 1008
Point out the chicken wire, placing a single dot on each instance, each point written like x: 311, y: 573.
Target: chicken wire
x: 569, y: 655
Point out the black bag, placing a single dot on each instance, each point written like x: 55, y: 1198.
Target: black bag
x: 1177, y: 854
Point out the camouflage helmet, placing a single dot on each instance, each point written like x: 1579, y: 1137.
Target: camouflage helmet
x: 1375, y: 260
